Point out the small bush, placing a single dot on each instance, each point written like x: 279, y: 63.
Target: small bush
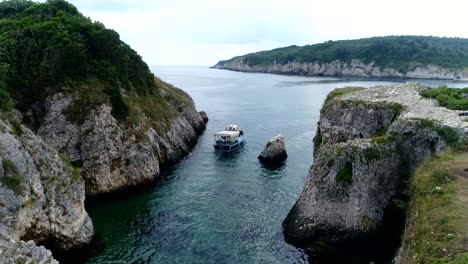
x: 449, y: 135
x: 76, y: 173
x: 120, y: 108
x: 317, y: 140
x: 441, y: 175
x: 12, y: 179
x: 345, y: 175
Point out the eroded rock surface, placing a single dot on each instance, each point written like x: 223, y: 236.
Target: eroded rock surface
x: 368, y: 143
x: 114, y: 156
x: 274, y: 152
x: 44, y: 177
x: 41, y: 196
x: 13, y: 252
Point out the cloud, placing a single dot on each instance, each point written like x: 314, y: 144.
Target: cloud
x: 184, y: 32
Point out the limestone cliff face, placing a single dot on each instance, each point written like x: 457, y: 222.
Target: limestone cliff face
x: 355, y: 68
x: 114, y: 156
x: 367, y: 145
x: 12, y: 252
x: 41, y: 197
x: 45, y: 175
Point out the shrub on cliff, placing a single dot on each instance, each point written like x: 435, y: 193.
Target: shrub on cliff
x: 451, y: 98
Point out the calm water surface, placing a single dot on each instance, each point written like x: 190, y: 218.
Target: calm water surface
x: 214, y: 208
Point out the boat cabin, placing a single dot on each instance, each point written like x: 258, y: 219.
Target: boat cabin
x: 230, y: 139
x: 227, y: 136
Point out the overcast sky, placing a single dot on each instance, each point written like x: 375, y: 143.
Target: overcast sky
x: 202, y: 32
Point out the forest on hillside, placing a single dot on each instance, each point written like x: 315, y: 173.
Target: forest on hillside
x: 400, y: 52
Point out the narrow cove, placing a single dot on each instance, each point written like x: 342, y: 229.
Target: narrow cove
x: 213, y: 208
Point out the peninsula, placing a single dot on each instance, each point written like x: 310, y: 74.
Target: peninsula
x: 378, y: 57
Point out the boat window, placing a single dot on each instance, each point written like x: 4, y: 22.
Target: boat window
x: 226, y: 148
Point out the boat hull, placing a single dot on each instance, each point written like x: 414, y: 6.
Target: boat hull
x: 226, y: 147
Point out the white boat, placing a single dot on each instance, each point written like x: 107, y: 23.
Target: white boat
x: 230, y: 139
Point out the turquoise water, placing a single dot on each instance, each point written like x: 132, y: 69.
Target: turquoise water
x: 214, y: 208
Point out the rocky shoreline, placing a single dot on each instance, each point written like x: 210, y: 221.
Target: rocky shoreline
x: 354, y: 69
x: 45, y: 175
x: 367, y: 145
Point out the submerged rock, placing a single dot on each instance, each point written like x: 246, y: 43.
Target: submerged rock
x: 274, y: 152
x: 370, y: 141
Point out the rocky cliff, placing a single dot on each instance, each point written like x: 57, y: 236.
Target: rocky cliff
x: 80, y: 114
x: 41, y: 195
x: 44, y: 176
x: 355, y: 68
x: 367, y: 144
x: 112, y: 155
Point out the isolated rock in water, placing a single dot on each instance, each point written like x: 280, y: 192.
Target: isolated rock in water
x: 274, y: 151
x: 204, y: 116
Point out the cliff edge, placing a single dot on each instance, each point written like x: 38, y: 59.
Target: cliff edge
x: 368, y: 144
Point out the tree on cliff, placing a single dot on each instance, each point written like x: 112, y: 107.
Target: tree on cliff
x: 51, y: 47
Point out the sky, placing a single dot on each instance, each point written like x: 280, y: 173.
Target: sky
x: 202, y: 32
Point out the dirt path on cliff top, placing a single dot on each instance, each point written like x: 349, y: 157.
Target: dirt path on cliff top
x: 459, y: 168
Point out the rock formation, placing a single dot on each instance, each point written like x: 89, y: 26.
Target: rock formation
x: 92, y: 124
x: 44, y: 177
x: 274, y: 152
x: 204, y: 116
x: 12, y: 252
x: 112, y: 155
x: 368, y: 143
x: 355, y: 68
x: 41, y: 194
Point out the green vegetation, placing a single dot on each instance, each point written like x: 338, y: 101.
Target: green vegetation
x: 328, y: 104
x: 50, y: 47
x: 451, y: 98
x: 379, y: 150
x: 437, y: 225
x: 317, y: 141
x: 345, y: 175
x: 399, y: 52
x: 70, y: 166
x: 449, y: 135
x: 12, y: 178
x: 28, y: 203
x: 381, y: 132
x: 382, y: 139
x: 341, y: 91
